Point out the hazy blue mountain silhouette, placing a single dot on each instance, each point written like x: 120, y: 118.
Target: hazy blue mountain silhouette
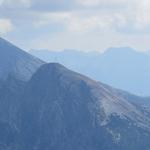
x: 122, y: 68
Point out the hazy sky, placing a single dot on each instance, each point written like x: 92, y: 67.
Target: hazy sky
x: 76, y: 24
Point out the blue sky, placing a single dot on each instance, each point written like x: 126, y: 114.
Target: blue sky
x: 76, y: 24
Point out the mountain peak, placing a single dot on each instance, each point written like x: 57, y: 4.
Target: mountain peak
x: 55, y: 71
x: 54, y: 65
x: 60, y: 106
x: 55, y: 78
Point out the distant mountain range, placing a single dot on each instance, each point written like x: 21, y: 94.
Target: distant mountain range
x: 49, y: 107
x: 123, y: 68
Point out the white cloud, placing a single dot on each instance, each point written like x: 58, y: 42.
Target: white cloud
x: 75, y: 22
x: 81, y: 22
x: 134, y: 14
x: 15, y: 3
x: 128, y: 14
x: 104, y: 3
x: 5, y: 26
x: 54, y: 17
x: 118, y: 20
x: 88, y: 2
x: 142, y: 11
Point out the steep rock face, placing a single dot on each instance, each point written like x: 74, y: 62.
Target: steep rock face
x: 15, y: 62
x: 65, y: 110
x: 16, y: 68
x: 8, y: 136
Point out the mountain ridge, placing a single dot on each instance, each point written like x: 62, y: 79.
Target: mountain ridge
x: 57, y: 108
x: 61, y: 74
x: 64, y: 107
x: 123, y: 68
x: 16, y: 62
